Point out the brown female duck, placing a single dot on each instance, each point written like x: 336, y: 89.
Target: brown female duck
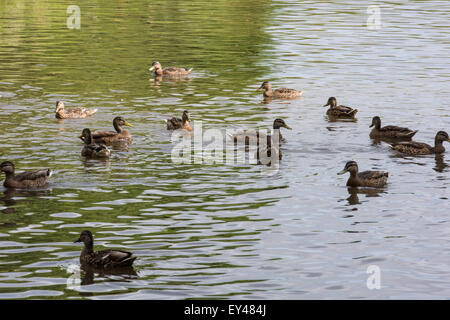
x: 375, y: 179
x: 102, y: 259
x: 336, y: 111
x: 282, y: 93
x: 169, y: 71
x: 391, y: 132
x: 78, y: 112
x: 177, y: 123
x: 255, y: 135
x: 109, y: 137
x: 91, y: 149
x: 24, y: 180
x: 420, y: 148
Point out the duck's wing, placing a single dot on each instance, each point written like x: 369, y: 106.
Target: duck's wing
x: 114, y: 257
x: 103, y: 134
x: 395, y: 131
x: 286, y: 91
x: 34, y: 175
x: 80, y: 111
x: 176, y: 71
x: 373, y: 175
x: 174, y: 123
x: 412, y: 147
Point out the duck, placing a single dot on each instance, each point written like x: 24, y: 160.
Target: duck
x: 109, y: 258
x: 255, y: 134
x: 175, y: 123
x: 169, y: 71
x: 392, y: 132
x: 340, y: 111
x: 79, y: 112
x: 91, y: 149
x: 110, y: 137
x: 283, y: 93
x: 376, y: 179
x: 24, y: 180
x: 420, y: 148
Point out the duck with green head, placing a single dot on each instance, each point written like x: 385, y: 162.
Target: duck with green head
x: 339, y: 111
x: 282, y: 93
x: 24, y: 180
x: 109, y: 258
x: 420, y: 148
x: 375, y: 179
x: 169, y: 71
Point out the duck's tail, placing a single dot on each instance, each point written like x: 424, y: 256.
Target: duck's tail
x: 410, y: 135
x: 353, y: 112
x: 188, y: 70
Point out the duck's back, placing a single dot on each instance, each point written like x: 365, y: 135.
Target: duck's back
x: 109, y: 258
x: 30, y: 179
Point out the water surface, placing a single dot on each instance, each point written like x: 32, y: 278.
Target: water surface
x: 225, y: 231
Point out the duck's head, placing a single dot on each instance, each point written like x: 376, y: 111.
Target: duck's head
x: 351, y: 167
x: 86, y: 237
x: 7, y: 167
x: 376, y: 121
x: 279, y: 123
x: 155, y: 66
x: 442, y: 136
x: 86, y: 136
x: 265, y: 86
x: 59, y: 106
x: 120, y: 121
x: 186, y: 116
x: 331, y: 102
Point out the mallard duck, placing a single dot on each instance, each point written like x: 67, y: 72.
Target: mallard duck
x: 91, y: 149
x: 102, y: 259
x: 375, y: 179
x: 339, y: 111
x: 79, y: 112
x: 24, y: 180
x: 279, y: 93
x: 109, y: 137
x: 420, y: 148
x: 255, y: 134
x: 177, y: 123
x: 169, y: 71
x: 392, y: 132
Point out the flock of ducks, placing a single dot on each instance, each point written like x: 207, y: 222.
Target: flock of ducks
x: 96, y: 146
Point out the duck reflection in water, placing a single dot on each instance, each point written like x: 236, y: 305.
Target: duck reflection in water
x: 10, y: 193
x: 440, y: 163
x: 353, y: 199
x: 89, y: 273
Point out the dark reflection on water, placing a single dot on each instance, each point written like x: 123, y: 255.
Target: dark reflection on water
x: 216, y: 230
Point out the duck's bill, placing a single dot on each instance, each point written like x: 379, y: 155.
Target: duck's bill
x: 371, y: 125
x: 78, y: 240
x: 343, y: 171
x: 152, y: 68
x: 287, y: 127
x: 326, y: 105
x: 128, y: 124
